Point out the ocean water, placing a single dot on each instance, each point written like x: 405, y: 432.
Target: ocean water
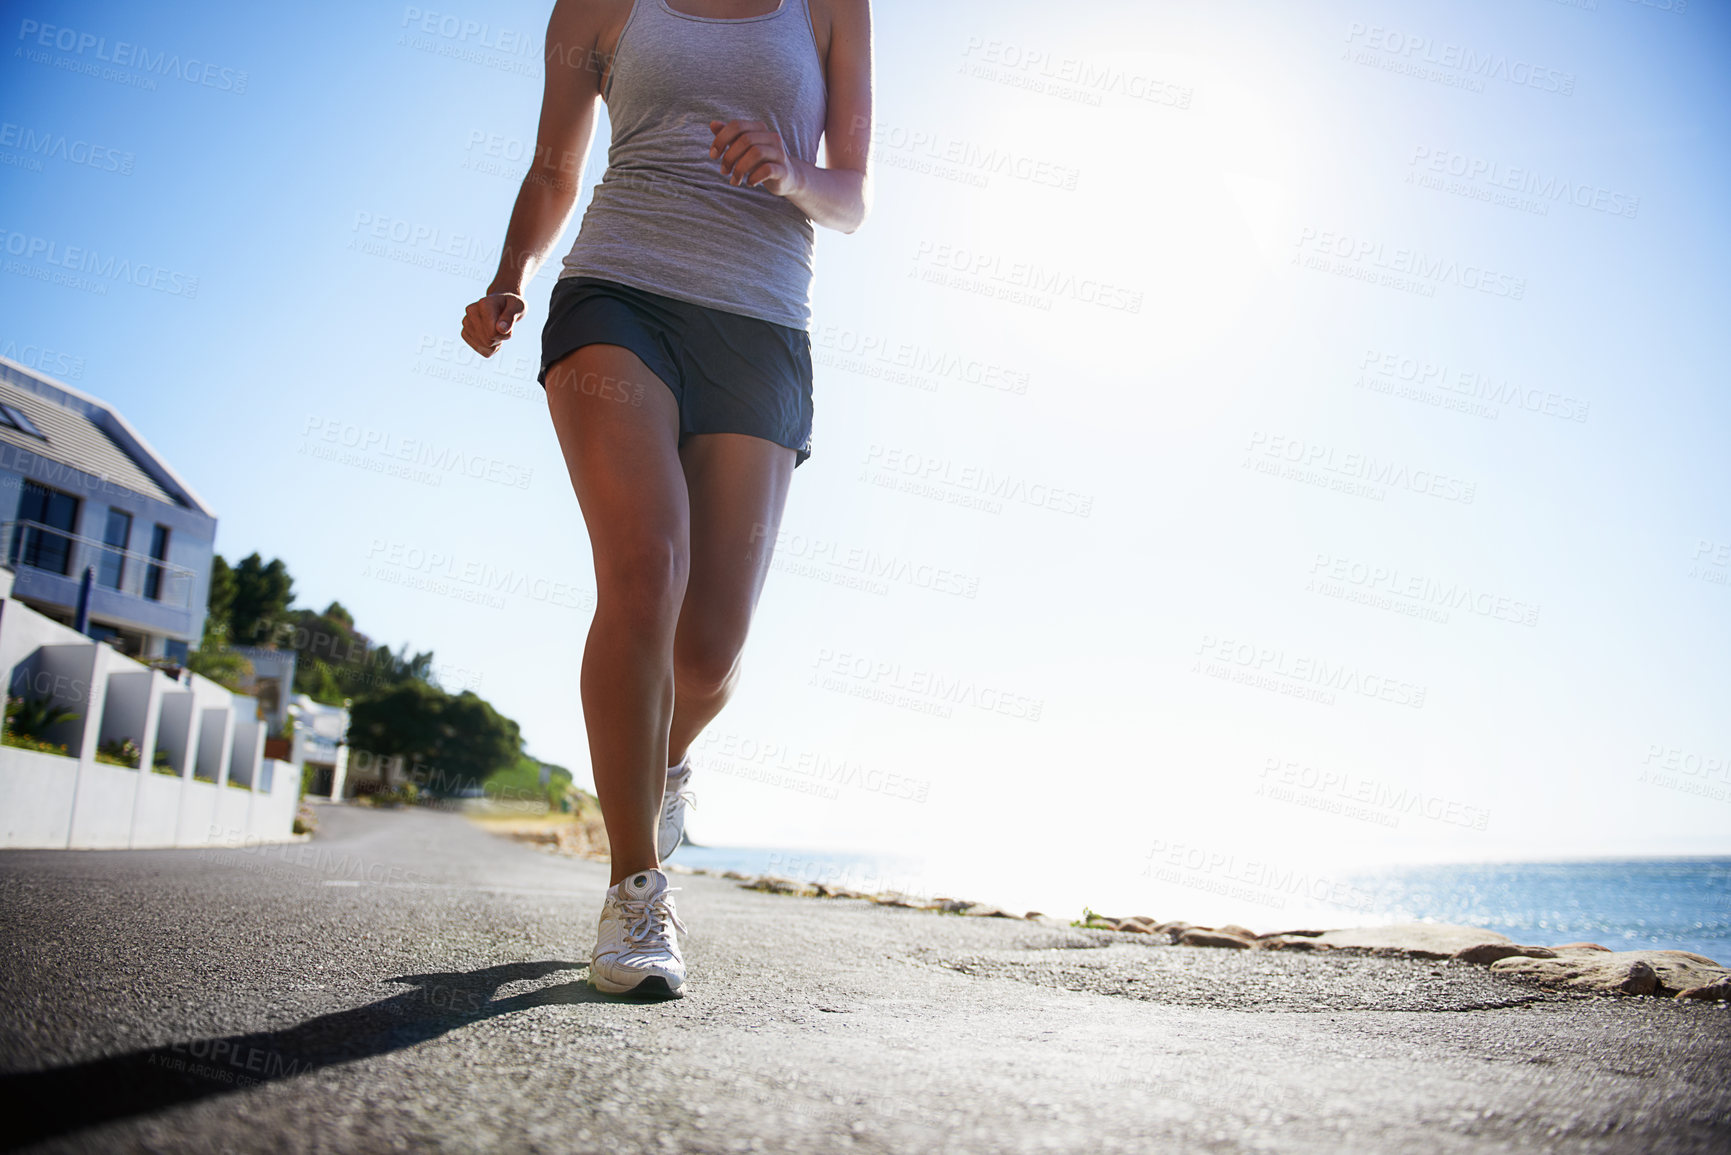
x: 1664, y: 903
x: 1623, y: 904
x: 871, y: 873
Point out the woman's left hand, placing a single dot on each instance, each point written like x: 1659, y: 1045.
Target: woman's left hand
x: 752, y: 154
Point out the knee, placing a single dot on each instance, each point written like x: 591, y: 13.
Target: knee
x: 704, y: 665
x: 642, y: 581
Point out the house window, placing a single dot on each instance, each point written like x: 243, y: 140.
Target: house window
x: 111, y: 568
x: 15, y: 417
x: 48, y: 517
x: 158, y: 552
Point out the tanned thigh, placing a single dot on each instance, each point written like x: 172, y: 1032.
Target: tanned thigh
x: 618, y: 427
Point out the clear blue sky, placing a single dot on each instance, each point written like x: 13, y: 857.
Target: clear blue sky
x: 1534, y: 190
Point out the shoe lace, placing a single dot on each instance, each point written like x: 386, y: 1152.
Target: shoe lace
x: 678, y: 796
x: 648, y: 919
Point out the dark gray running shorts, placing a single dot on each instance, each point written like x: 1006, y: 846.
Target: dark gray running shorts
x: 728, y: 372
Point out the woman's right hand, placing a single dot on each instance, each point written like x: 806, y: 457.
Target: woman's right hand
x: 487, y: 323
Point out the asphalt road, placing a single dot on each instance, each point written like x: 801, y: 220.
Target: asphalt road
x: 407, y: 982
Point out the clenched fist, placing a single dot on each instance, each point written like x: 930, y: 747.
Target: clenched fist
x: 487, y: 323
x: 752, y: 154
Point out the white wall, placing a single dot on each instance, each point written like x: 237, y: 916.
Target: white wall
x: 49, y: 800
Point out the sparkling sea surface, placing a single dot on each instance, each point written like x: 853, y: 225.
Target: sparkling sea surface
x: 1623, y: 904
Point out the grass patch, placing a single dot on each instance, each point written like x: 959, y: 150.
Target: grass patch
x: 521, y: 782
x: 26, y: 742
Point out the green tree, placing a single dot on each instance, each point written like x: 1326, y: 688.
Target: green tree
x: 220, y: 604
x: 223, y: 666
x: 211, y: 657
x: 336, y: 661
x: 450, y: 742
x: 262, y: 593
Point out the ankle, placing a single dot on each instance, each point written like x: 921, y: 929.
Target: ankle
x: 621, y: 875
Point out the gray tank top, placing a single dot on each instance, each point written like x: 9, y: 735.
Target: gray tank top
x: 664, y: 218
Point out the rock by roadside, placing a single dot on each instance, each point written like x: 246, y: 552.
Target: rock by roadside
x: 1719, y: 991
x: 1197, y: 937
x: 1489, y: 952
x: 1666, y: 973
x: 1580, y: 967
x: 1421, y: 940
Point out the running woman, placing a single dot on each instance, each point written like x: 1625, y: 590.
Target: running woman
x: 676, y: 361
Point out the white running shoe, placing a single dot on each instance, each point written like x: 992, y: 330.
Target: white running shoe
x: 674, y: 799
x: 636, y: 947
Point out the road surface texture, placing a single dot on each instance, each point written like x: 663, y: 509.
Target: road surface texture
x: 408, y: 982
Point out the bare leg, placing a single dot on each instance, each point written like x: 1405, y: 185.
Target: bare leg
x: 625, y: 467
x: 738, y: 487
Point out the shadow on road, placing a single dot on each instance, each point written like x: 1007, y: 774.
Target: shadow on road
x: 42, y: 1104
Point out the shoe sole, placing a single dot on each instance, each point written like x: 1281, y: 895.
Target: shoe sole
x: 653, y: 987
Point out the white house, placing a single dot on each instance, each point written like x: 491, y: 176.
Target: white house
x: 144, y: 757
x: 80, y: 490
x: 321, y: 742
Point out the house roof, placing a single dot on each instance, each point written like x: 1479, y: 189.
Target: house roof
x: 87, y: 434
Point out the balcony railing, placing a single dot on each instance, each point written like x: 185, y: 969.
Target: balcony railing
x: 32, y: 545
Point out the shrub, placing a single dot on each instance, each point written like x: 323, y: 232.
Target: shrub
x: 378, y: 794
x: 119, y: 752
x: 31, y: 717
